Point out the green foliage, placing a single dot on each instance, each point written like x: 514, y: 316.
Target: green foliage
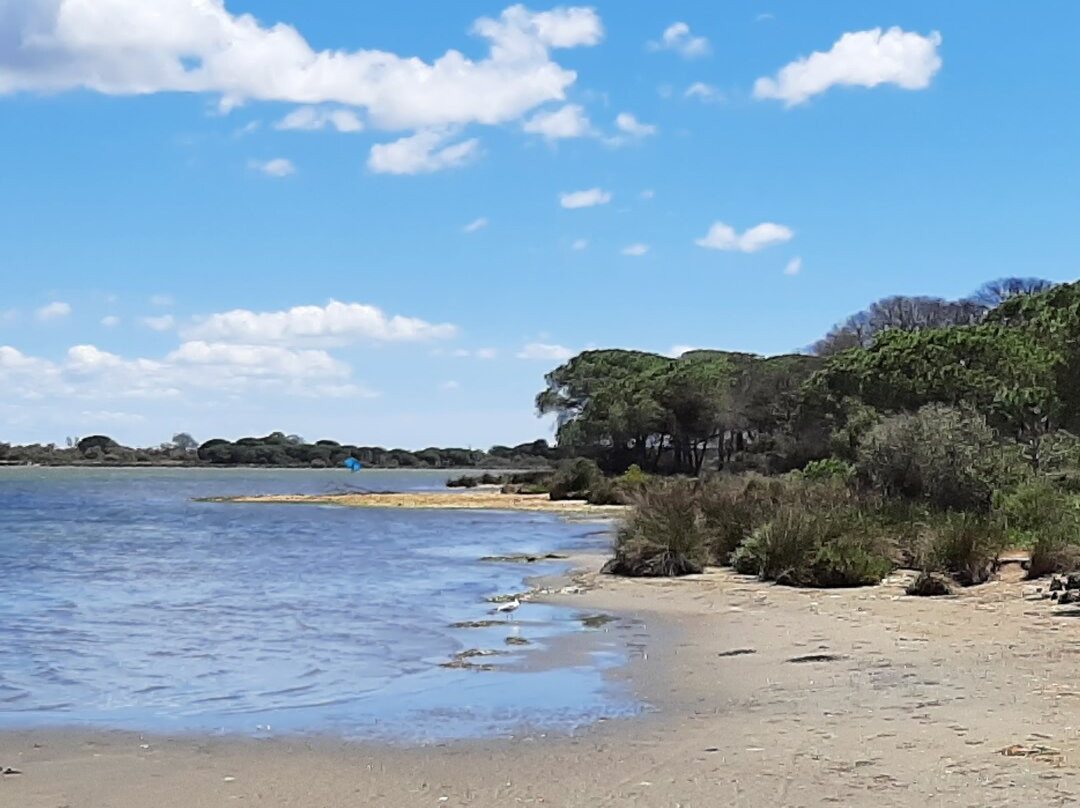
x: 665, y: 535
x: 945, y: 456
x: 963, y: 545
x: 575, y: 478
x: 830, y: 468
x: 733, y: 507
x: 1041, y: 516
x: 825, y: 542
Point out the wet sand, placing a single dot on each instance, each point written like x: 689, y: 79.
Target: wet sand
x: 491, y: 500
x: 760, y: 696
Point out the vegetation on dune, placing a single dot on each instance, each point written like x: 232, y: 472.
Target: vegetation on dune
x: 923, y: 433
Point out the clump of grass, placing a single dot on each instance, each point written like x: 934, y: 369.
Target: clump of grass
x: 733, y: 507
x: 965, y: 546
x: 665, y: 535
x: 1040, y: 515
x: 827, y: 544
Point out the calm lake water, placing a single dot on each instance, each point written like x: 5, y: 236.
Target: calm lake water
x: 125, y: 604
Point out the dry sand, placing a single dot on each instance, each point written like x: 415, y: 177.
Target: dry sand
x: 491, y: 500
x: 902, y: 702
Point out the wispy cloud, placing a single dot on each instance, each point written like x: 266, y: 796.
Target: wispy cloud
x: 677, y: 37
x: 629, y: 124
x: 311, y: 119
x: 163, y: 323
x: 546, y: 352
x: 278, y: 167
x: 794, y: 267
x: 568, y: 121
x: 53, y: 311
x: 422, y: 153
x: 635, y: 250
x: 476, y: 224
x: 705, y: 93
x: 585, y: 199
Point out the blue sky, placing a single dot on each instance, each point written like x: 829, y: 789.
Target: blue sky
x: 190, y: 183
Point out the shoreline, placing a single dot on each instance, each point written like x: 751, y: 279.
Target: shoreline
x: 471, y: 499
x: 759, y: 695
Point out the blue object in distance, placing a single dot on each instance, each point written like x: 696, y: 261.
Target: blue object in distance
x: 352, y: 464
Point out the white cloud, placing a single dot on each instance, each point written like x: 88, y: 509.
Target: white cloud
x: 635, y: 250
x: 259, y: 360
x: 648, y: 193
x: 860, y: 58
x: 705, y: 93
x: 311, y: 119
x: 422, y: 153
x: 163, y: 323
x: 334, y: 323
x: 279, y: 167
x: 724, y: 237
x: 765, y: 16
x: 585, y: 199
x: 135, y: 47
x: 566, y: 122
x: 53, y: 311
x: 450, y: 386
x: 545, y: 352
x: 632, y: 126
x: 476, y: 224
x: 677, y: 37
x: 679, y: 350
x: 794, y: 267
x: 486, y: 353
x: 580, y: 244
x: 111, y: 321
x: 161, y: 300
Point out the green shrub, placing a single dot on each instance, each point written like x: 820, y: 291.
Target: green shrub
x: 1038, y: 514
x: 665, y: 534
x: 606, y: 492
x: 733, y: 507
x: 830, y: 468
x: 464, y: 481
x: 830, y: 545
x: 963, y: 545
x: 948, y: 457
x: 575, y: 478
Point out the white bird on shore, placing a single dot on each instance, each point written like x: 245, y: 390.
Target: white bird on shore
x: 509, y: 607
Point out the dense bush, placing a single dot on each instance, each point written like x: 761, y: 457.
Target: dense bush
x: 733, y: 507
x: 1040, y: 515
x: 963, y: 545
x: 826, y: 541
x: 945, y: 456
x: 828, y: 469
x: 665, y: 535
x: 574, y: 479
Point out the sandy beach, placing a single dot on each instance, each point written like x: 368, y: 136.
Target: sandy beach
x: 758, y: 695
x: 487, y: 499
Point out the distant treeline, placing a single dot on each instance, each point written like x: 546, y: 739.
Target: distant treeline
x: 274, y: 450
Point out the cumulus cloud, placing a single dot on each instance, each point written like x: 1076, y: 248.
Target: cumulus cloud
x: 422, y: 153
x: 580, y: 244
x: 678, y: 350
x: 135, y: 47
x: 635, y: 250
x: 545, y: 352
x: 677, y: 37
x: 724, y: 237
x: 794, y: 267
x: 476, y: 224
x: 259, y: 360
x: 584, y: 199
x: 625, y: 122
x: 335, y: 323
x: 111, y: 321
x: 278, y: 167
x: 311, y: 119
x: 860, y: 59
x: 705, y: 93
x: 53, y: 311
x: 163, y: 323
x: 566, y: 122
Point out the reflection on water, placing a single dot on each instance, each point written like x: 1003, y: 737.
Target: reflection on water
x: 124, y: 603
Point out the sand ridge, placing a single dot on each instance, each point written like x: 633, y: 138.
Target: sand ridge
x: 437, y: 500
